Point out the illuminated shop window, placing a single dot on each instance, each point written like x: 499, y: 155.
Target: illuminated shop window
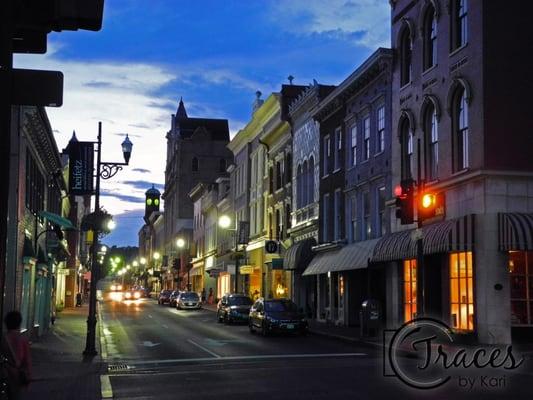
x: 461, y: 291
x: 409, y: 289
x: 521, y: 276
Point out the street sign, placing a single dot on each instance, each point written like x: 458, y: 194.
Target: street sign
x: 81, y: 168
x: 246, y: 269
x: 271, y: 246
x: 244, y: 232
x: 37, y: 88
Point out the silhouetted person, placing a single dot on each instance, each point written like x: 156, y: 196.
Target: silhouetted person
x: 17, y: 350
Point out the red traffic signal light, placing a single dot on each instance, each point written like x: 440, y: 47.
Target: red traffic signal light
x: 405, y: 201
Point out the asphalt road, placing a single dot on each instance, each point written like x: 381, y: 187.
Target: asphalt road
x: 158, y: 352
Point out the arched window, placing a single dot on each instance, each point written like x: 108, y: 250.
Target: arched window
x: 311, y: 181
x: 431, y: 138
x: 288, y: 167
x: 406, y: 141
x: 299, y: 187
x: 459, y: 21
x: 194, y: 165
x: 305, y: 179
x: 460, y: 130
x: 430, y: 38
x: 222, y: 165
x: 405, y: 56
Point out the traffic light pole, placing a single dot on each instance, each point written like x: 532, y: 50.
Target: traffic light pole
x: 6, y: 68
x: 420, y: 267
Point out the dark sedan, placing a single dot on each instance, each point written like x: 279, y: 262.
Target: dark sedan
x: 277, y: 315
x: 234, y: 308
x: 164, y: 297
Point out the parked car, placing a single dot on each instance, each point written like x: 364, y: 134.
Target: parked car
x: 188, y: 300
x: 277, y: 315
x: 174, y: 298
x: 164, y: 297
x: 234, y: 307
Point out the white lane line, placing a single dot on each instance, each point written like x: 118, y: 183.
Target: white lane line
x: 150, y: 316
x: 241, y: 358
x: 165, y: 326
x: 106, y: 388
x: 204, y: 348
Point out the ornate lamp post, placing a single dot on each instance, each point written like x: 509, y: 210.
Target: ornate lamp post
x: 104, y: 170
x: 181, y: 244
x: 225, y: 222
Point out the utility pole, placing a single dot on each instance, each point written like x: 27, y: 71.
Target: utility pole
x: 6, y: 69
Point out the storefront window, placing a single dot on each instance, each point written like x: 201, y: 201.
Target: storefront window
x: 461, y: 291
x: 409, y: 289
x: 280, y: 284
x: 521, y: 276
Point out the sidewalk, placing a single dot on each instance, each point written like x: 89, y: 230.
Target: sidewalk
x: 59, y: 369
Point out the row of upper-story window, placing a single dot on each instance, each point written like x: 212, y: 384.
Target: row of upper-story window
x: 305, y: 183
x: 361, y: 215
x: 37, y: 189
x: 458, y: 37
x: 195, y: 165
x: 359, y: 139
x: 460, y: 137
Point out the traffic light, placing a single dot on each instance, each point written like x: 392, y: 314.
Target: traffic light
x: 405, y: 201
x: 176, y: 264
x: 430, y: 205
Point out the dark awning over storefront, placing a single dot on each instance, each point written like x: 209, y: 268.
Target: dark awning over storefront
x: 355, y: 255
x: 299, y: 254
x: 57, y: 220
x: 515, y: 231
x: 441, y: 237
x: 322, y: 263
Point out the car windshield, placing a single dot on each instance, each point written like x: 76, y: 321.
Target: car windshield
x: 240, y: 301
x: 189, y: 296
x: 280, y: 306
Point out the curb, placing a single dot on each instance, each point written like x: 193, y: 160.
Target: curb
x: 346, y: 339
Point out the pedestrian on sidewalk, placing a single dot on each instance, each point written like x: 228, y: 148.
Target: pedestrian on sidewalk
x: 211, y: 298
x: 17, y: 350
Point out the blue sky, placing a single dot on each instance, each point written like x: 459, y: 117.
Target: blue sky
x: 213, y: 53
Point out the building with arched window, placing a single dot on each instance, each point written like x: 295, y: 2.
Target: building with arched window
x: 462, y: 130
x: 196, y: 150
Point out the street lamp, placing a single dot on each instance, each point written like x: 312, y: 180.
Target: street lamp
x: 224, y: 221
x: 181, y: 243
x: 104, y: 170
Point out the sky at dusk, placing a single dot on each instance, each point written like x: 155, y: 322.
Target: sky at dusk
x: 214, y: 53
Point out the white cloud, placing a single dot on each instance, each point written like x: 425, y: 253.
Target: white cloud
x: 365, y: 22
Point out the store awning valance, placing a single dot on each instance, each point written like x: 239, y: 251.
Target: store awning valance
x: 196, y: 271
x: 515, y: 231
x: 322, y: 263
x: 57, y: 220
x: 440, y: 237
x: 355, y: 255
x: 299, y: 255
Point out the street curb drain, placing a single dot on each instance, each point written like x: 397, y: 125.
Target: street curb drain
x: 118, y: 367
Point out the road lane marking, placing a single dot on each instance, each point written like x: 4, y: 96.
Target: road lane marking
x: 204, y: 348
x: 148, y: 343
x: 105, y: 387
x: 165, y: 326
x: 138, y: 365
x: 150, y: 316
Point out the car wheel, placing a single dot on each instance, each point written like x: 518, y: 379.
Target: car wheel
x: 264, y: 330
x: 251, y: 327
x: 219, y: 319
x: 226, y: 319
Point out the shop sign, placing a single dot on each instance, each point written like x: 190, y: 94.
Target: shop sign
x: 246, y: 269
x: 81, y: 168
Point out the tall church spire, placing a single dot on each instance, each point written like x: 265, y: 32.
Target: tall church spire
x: 181, y: 113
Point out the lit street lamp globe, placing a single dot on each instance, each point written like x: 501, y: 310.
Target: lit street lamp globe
x: 180, y: 243
x: 157, y: 256
x: 224, y: 222
x: 143, y: 261
x: 135, y: 263
x: 111, y: 225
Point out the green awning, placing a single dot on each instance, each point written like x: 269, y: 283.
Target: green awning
x: 57, y: 220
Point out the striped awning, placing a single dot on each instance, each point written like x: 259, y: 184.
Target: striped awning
x: 515, y: 231
x: 299, y: 254
x: 355, y: 255
x: 441, y: 237
x: 322, y: 262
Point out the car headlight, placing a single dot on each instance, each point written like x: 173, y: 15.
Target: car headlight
x: 128, y: 295
x: 137, y: 295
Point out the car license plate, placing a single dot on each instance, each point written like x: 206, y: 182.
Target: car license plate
x: 289, y: 326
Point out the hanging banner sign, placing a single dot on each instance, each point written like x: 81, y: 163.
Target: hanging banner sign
x: 243, y: 232
x: 81, y: 168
